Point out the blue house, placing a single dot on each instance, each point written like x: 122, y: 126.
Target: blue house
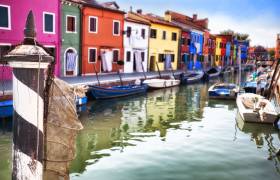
x: 228, y: 53
x: 196, y: 50
x: 244, y: 45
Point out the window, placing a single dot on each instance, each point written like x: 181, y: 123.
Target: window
x: 49, y: 24
x: 143, y: 56
x: 221, y: 45
x: 128, y: 31
x: 174, y: 36
x: 189, y: 42
x: 128, y: 56
x: 116, y: 54
x: 93, y: 24
x: 153, y: 33
x: 143, y: 33
x: 116, y: 28
x: 161, y: 58
x: 92, y: 55
x: 5, y: 20
x: 71, y: 24
x: 183, y: 41
x: 172, y: 57
x: 4, y: 49
x: 164, y: 35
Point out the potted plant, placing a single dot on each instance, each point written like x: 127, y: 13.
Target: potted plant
x: 120, y: 64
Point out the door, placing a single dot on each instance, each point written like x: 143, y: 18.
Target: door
x: 152, y: 63
x: 71, y: 62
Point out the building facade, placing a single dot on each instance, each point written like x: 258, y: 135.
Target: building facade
x: 163, y: 43
x: 70, y: 55
x: 277, y: 47
x: 136, y: 43
x: 194, y: 32
x: 12, y: 22
x: 102, y: 38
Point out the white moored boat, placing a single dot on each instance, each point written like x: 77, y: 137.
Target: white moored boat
x: 161, y: 83
x: 255, y: 108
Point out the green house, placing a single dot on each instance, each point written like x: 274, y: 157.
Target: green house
x: 70, y: 38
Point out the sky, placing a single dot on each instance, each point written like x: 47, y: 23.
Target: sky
x: 258, y: 18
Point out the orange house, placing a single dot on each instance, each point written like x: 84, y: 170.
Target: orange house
x: 102, y: 38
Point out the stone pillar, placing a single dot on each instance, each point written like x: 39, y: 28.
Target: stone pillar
x: 29, y: 61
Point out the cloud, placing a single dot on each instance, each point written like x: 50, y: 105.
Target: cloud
x: 262, y: 29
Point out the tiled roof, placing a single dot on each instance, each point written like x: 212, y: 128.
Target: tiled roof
x: 199, y: 24
x: 133, y: 17
x: 157, y: 20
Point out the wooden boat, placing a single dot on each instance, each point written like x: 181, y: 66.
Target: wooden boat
x: 161, y: 83
x: 255, y: 108
x: 191, y: 77
x: 227, y: 70
x: 251, y: 86
x: 223, y: 91
x: 213, y: 72
x: 81, y: 101
x: 116, y: 91
x: 6, y: 108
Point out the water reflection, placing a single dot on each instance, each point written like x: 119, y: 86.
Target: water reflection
x: 264, y: 136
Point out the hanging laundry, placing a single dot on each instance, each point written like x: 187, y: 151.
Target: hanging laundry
x: 138, y: 61
x: 103, y: 59
x: 71, y: 61
x: 109, y: 60
x: 167, y: 62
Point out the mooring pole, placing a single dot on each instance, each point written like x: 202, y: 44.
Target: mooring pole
x: 29, y: 61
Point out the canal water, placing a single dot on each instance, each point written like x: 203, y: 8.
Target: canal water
x: 169, y: 134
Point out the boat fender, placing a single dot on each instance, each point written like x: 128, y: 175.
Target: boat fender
x: 137, y: 82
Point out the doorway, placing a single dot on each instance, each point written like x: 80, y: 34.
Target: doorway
x: 70, y: 62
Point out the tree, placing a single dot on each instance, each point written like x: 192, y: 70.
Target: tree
x: 238, y: 36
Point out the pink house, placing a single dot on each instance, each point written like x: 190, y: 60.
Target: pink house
x: 47, y: 21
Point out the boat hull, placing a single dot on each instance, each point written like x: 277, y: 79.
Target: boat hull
x: 161, y: 83
x: 117, y: 91
x: 223, y: 91
x: 6, y: 109
x: 253, y: 116
x: 213, y: 73
x: 191, y: 78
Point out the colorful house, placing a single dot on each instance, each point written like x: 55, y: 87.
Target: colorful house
x: 277, y: 47
x: 70, y: 41
x: 244, y: 45
x: 163, y: 42
x: 136, y: 43
x: 193, y: 29
x: 12, y: 22
x: 211, y: 50
x: 102, y: 38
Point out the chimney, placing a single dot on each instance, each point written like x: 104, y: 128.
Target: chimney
x: 194, y: 17
x: 167, y: 17
x: 139, y: 11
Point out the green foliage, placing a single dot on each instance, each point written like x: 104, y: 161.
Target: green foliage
x: 237, y: 35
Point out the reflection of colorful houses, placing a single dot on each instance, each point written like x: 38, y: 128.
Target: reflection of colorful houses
x: 134, y: 115
x: 102, y: 37
x: 163, y: 42
x: 136, y: 43
x: 97, y: 135
x: 193, y: 28
x: 161, y: 106
x: 12, y: 22
x: 70, y: 40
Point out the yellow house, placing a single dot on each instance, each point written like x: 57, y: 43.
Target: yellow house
x: 163, y: 43
x: 218, y: 51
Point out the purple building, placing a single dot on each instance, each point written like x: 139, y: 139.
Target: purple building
x: 47, y: 21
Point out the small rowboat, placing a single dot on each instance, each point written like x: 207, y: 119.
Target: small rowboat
x: 255, y: 108
x: 161, y: 83
x: 227, y: 70
x: 192, y: 77
x: 6, y: 108
x: 213, y: 72
x: 116, y: 91
x: 252, y: 86
x: 223, y: 91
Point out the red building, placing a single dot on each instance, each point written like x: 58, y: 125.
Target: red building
x: 102, y: 37
x: 277, y: 49
x: 184, y: 48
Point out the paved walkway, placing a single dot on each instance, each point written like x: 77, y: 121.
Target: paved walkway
x: 103, y: 78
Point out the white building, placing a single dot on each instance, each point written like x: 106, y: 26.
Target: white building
x: 136, y: 43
